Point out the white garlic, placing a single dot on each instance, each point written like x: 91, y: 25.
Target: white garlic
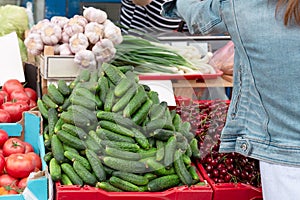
x: 85, y: 59
x: 95, y: 15
x: 104, y: 50
x: 34, y: 44
x: 94, y: 32
x: 59, y: 20
x: 64, y: 49
x: 50, y: 34
x: 78, y: 42
x: 75, y: 25
x: 113, y: 33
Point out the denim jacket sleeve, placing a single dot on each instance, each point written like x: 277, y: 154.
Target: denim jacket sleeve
x: 201, y: 17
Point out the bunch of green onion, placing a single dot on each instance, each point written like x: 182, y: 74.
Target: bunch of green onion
x: 150, y: 57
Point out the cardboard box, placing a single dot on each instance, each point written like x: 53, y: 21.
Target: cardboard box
x: 29, y: 130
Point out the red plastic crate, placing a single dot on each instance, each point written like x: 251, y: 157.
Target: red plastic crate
x: 231, y: 191
x: 195, y: 192
x: 66, y: 192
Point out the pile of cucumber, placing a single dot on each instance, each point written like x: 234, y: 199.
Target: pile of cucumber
x: 106, y: 130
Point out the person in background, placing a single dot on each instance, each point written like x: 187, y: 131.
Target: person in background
x: 263, y: 118
x: 144, y: 16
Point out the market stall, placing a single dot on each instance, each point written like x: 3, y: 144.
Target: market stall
x: 106, y: 133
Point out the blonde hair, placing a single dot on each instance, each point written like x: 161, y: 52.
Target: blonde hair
x: 292, y: 11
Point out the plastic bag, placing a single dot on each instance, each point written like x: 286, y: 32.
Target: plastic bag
x: 223, y: 58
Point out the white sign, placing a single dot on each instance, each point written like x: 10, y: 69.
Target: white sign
x: 11, y: 66
x: 164, y: 88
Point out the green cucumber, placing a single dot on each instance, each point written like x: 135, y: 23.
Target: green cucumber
x: 170, y: 149
x: 96, y: 165
x: 122, y: 87
x: 181, y: 169
x: 55, y: 95
x: 123, y: 185
x: 195, y: 148
x: 136, y: 102
x: 52, y: 120
x: 107, y: 187
x: 70, y: 172
x: 153, y: 95
x: 65, y: 180
x: 84, y: 174
x: 116, y: 118
x: 63, y: 87
x: 84, y: 75
x: 83, y: 101
x: 116, y: 128
x: 126, y: 68
x: 140, y: 116
x: 121, y: 145
x: 57, y: 149
x: 160, y: 154
x: 117, y: 153
x: 109, y: 135
x: 84, y: 111
x: 103, y: 87
x: 74, y: 156
x: 75, y: 118
x: 125, y: 99
x: 42, y: 108
x: 124, y: 165
x: 109, y: 100
x: 48, y: 101
x: 55, y: 170
x: 159, y: 168
x: 70, y: 140
x: 141, y: 138
x: 113, y: 73
x: 130, y: 177
x: 163, y: 183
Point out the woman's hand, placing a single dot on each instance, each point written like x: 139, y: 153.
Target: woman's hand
x: 141, y: 2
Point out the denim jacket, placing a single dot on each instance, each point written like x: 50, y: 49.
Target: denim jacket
x: 263, y: 120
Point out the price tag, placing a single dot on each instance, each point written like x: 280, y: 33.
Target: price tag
x: 11, y: 66
x: 164, y: 89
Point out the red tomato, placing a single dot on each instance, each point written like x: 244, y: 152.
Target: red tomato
x: 2, y: 163
x: 31, y: 93
x: 12, y: 146
x: 36, y: 160
x: 13, y: 191
x: 19, y: 95
x: 4, y: 116
x: 28, y: 147
x: 5, y: 95
x: 3, y: 137
x: 15, y: 109
x: 7, y: 180
x: 2, y: 99
x: 32, y: 104
x: 22, y: 183
x: 19, y: 165
x: 11, y: 85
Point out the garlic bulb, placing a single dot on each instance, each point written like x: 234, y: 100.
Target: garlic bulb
x: 64, y: 49
x: 59, y: 20
x: 94, y: 32
x: 112, y: 32
x: 104, y: 50
x: 50, y: 34
x: 95, y: 15
x: 78, y: 42
x: 37, y: 28
x: 34, y: 44
x: 85, y: 59
x: 75, y: 25
x: 64, y: 37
